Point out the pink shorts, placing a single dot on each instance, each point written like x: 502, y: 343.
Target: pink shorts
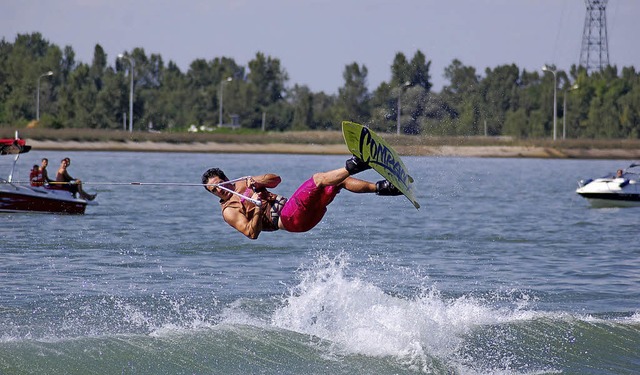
x: 307, y: 206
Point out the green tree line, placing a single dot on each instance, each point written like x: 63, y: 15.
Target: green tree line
x: 505, y: 100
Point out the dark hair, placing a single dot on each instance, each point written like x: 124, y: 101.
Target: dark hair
x: 213, y: 172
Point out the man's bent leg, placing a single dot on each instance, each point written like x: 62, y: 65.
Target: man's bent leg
x: 331, y: 178
x: 337, y: 176
x: 355, y: 185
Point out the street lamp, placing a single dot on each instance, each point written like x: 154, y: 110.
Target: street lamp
x: 229, y: 79
x: 555, y: 103
x: 130, y: 92
x: 407, y: 83
x: 564, y: 109
x: 49, y: 73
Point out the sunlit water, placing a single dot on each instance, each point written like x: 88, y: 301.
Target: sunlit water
x: 504, y: 270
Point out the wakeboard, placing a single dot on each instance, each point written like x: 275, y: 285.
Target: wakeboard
x: 375, y: 151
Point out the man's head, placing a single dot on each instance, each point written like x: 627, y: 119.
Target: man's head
x: 45, y: 162
x: 213, y: 172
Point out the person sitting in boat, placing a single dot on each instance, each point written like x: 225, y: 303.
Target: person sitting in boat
x: 620, y: 174
x: 300, y: 213
x: 69, y: 183
x: 43, y: 171
x: 35, y: 177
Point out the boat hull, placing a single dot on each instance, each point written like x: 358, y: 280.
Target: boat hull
x: 23, y: 199
x: 612, y: 200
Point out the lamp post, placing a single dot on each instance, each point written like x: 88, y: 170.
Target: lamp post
x: 229, y: 79
x: 130, y: 92
x: 545, y: 68
x: 407, y: 83
x: 564, y: 109
x: 49, y: 73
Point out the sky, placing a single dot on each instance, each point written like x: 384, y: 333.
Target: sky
x: 316, y: 39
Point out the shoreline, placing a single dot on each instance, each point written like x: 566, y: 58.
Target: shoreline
x: 340, y: 149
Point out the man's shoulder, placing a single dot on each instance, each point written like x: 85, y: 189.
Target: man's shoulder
x: 232, y: 202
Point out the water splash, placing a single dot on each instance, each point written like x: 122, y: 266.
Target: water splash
x: 358, y: 317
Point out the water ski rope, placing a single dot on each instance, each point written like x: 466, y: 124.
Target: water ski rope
x: 257, y: 202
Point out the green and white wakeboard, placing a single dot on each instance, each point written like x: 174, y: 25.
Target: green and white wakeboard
x: 375, y: 151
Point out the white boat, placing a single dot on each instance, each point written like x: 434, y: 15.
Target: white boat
x: 614, y: 190
x: 22, y: 197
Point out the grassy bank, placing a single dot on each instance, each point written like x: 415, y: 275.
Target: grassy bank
x: 307, y: 137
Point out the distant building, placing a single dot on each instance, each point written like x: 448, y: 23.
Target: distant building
x: 151, y: 129
x: 235, y: 122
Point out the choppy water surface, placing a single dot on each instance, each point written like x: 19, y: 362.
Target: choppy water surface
x: 504, y: 270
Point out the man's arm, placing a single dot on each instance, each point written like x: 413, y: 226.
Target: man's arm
x: 265, y: 181
x: 249, y: 226
x: 63, y: 176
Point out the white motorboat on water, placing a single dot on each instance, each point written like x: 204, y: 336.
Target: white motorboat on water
x: 614, y: 190
x: 23, y: 197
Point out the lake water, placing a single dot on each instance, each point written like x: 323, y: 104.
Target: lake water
x: 504, y: 270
